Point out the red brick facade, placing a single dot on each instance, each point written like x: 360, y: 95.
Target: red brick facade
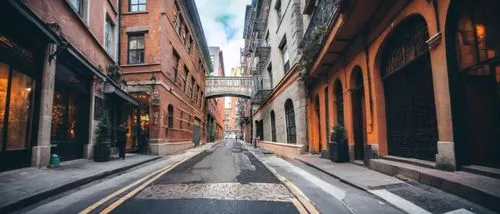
x: 162, y: 44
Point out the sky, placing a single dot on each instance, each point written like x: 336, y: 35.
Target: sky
x: 223, y: 22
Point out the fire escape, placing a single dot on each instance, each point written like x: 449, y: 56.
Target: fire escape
x: 261, y: 53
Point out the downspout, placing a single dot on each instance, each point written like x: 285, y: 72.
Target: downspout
x: 118, y: 50
x: 436, y: 13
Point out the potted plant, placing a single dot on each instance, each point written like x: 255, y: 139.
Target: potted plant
x: 339, y: 151
x: 103, y: 139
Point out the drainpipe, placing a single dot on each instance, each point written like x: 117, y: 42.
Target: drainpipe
x: 368, y: 76
x: 119, y: 11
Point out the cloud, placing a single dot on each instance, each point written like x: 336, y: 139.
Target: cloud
x: 223, y: 22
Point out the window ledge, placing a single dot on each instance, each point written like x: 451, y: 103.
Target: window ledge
x: 136, y: 12
x: 140, y: 64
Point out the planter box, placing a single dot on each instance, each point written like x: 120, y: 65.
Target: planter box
x: 101, y: 152
x: 340, y: 151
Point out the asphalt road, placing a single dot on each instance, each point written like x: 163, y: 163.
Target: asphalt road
x: 225, y: 179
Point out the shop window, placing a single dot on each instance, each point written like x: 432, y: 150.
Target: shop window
x: 16, y: 106
x: 137, y: 5
x: 136, y: 49
x: 290, y: 122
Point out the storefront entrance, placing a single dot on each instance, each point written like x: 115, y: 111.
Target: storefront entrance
x: 409, y: 95
x: 70, y: 114
x: 476, y: 81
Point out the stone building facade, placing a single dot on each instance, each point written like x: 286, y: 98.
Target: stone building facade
x: 165, y: 58
x: 58, y: 62
x: 273, y: 48
x: 413, y: 79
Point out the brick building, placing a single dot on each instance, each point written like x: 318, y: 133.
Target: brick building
x: 412, y: 79
x: 215, y: 106
x: 164, y: 58
x: 58, y: 62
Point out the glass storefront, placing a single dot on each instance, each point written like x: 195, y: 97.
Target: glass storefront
x: 70, y: 110
x: 16, y: 109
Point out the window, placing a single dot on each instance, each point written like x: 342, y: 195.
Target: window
x: 180, y: 120
x: 190, y: 44
x: 137, y: 5
x: 270, y: 72
x: 170, y: 122
x: 273, y: 126
x: 290, y: 122
x: 109, y: 36
x: 284, y: 56
x: 176, y: 64
x: 185, y: 32
x: 184, y: 78
x: 79, y: 7
x: 195, y: 91
x: 191, y: 88
x: 178, y: 24
x: 200, y: 68
x: 177, y: 17
x: 279, y: 13
x: 136, y: 49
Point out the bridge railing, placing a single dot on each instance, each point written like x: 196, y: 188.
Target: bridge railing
x: 221, y: 85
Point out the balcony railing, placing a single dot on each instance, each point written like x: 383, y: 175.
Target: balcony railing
x: 321, y: 23
x: 262, y: 89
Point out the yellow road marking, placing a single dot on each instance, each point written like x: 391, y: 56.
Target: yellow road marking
x: 141, y: 187
x: 299, y: 206
x: 120, y: 191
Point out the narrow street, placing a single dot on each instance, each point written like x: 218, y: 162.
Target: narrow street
x: 224, y: 179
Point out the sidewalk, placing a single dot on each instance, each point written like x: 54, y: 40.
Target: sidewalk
x: 475, y: 188
x: 349, y: 173
x: 26, y: 186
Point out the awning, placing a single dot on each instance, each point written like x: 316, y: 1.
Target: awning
x: 109, y: 88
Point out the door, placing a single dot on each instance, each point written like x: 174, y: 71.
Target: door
x: 16, y: 108
x: 411, y: 114
x: 359, y: 118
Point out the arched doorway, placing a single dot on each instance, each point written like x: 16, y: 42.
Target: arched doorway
x: 359, y: 116
x: 474, y: 39
x: 318, y: 130
x: 339, y: 102
x: 409, y: 94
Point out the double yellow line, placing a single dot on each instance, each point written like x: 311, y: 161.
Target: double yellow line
x: 145, y: 182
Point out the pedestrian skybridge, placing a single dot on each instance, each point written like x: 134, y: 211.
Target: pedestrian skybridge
x: 222, y: 86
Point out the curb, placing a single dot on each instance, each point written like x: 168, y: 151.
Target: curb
x: 335, y: 176
x: 37, y: 197
x: 306, y: 204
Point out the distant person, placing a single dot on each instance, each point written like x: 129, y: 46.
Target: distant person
x: 121, y: 139
x: 142, y: 140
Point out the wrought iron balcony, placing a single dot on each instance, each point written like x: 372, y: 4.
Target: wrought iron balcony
x: 322, y: 20
x: 262, y: 54
x: 262, y: 89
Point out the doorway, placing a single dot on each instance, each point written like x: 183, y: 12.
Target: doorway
x: 474, y: 36
x: 409, y: 94
x: 359, y: 114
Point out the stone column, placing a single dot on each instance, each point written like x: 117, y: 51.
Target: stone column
x: 445, y: 159
x: 41, y: 152
x: 88, y: 149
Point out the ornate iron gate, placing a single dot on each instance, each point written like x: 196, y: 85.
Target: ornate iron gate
x: 410, y: 108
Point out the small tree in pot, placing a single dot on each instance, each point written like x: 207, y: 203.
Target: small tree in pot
x: 103, y: 139
x: 338, y: 144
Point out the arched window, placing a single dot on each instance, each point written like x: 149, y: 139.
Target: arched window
x: 273, y: 126
x: 339, y: 102
x: 290, y: 122
x: 170, y: 123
